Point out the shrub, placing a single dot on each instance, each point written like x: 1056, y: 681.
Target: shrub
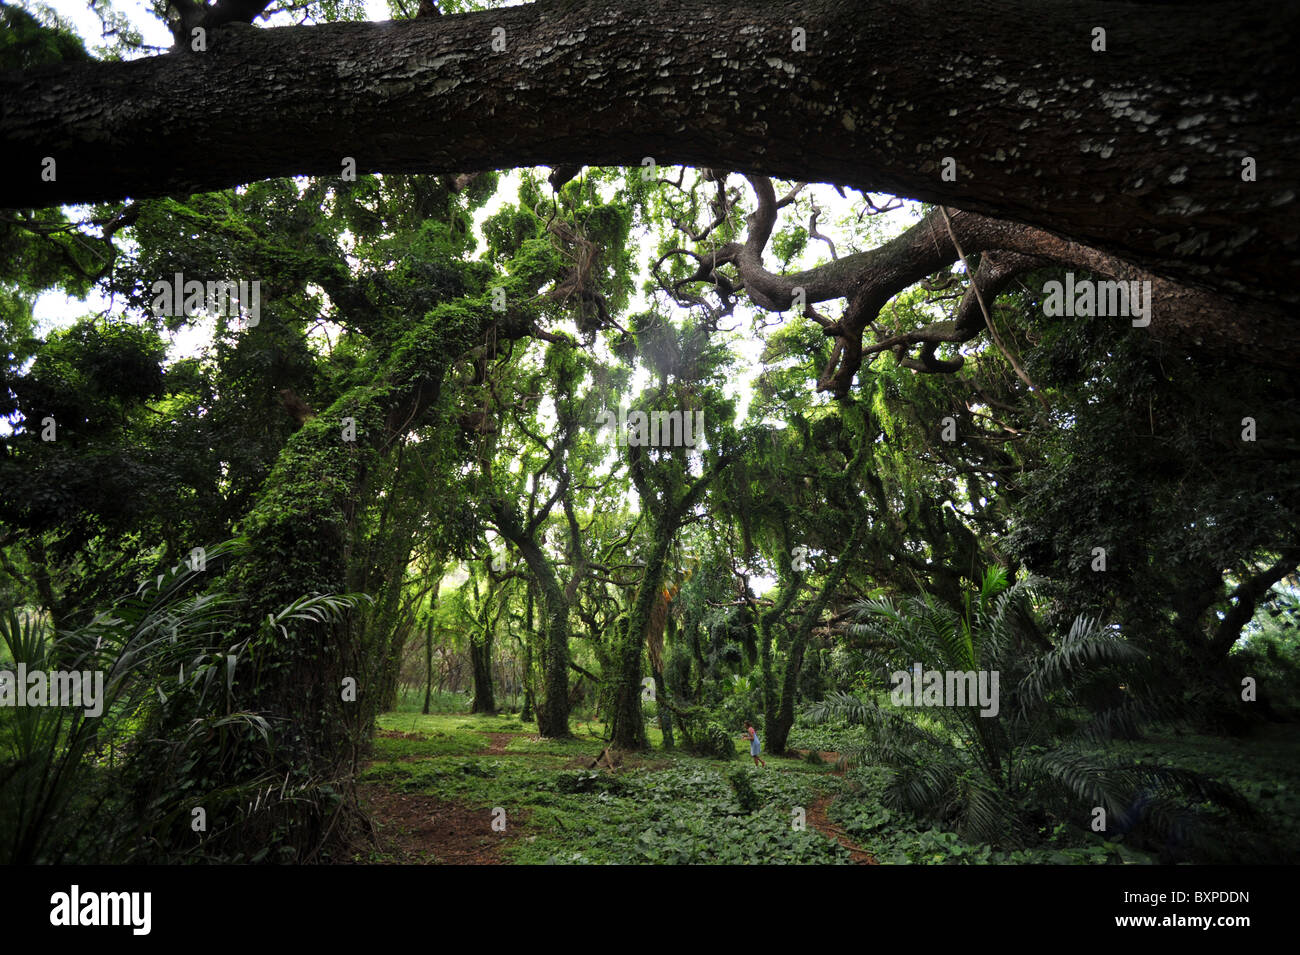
x: 162, y: 652
x: 745, y: 794
x: 718, y: 743
x: 702, y: 735
x: 995, y: 778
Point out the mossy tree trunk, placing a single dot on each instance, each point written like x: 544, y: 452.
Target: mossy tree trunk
x: 791, y: 582
x: 311, y: 685
x: 661, y: 685
x: 480, y: 653
x: 627, y: 730
x: 553, y: 707
x: 530, y: 634
x: 779, y: 724
x: 428, y: 664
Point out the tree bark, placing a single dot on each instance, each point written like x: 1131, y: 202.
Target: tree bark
x: 530, y: 634
x: 480, y: 657
x: 553, y: 707
x: 480, y: 653
x: 1136, y: 150
x: 1248, y: 595
x: 428, y: 665
x: 790, y: 585
x: 1186, y: 317
x: 661, y: 686
x: 627, y: 726
x: 778, y: 730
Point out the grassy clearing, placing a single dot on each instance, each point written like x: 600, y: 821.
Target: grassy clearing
x: 661, y: 806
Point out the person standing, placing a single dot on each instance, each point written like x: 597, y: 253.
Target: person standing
x: 755, y: 745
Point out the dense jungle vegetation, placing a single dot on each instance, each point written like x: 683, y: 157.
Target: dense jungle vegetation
x: 499, y: 504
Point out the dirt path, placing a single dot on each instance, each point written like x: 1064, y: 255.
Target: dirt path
x: 422, y: 830
x: 817, y: 817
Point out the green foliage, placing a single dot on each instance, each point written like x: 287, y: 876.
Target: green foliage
x: 788, y: 243
x: 591, y: 782
x: 162, y: 649
x: 390, y: 746
x: 828, y: 735
x: 26, y: 42
x: 746, y: 795
x: 90, y: 375
x: 895, y: 838
x: 1270, y: 650
x: 1183, y: 506
x: 476, y: 439
x: 671, y: 810
x: 995, y: 777
x: 703, y: 735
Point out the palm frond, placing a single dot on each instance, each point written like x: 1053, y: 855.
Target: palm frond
x: 1087, y: 647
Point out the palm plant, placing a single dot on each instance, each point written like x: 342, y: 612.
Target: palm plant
x: 998, y: 777
x: 161, y: 649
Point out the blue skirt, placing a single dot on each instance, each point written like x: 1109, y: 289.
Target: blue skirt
x: 754, y: 748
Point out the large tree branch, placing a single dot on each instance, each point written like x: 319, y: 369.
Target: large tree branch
x: 1184, y: 315
x: 1247, y: 597
x: 1136, y: 150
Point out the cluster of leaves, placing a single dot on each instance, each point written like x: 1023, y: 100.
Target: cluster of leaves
x: 704, y: 735
x: 1148, y: 458
x: 163, y: 648
x: 998, y: 777
x: 827, y: 736
x: 743, y: 785
x: 1270, y: 648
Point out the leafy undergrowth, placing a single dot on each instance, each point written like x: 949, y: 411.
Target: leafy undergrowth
x: 830, y: 736
x: 894, y: 838
x: 1264, y: 768
x: 658, y: 807
x: 669, y: 807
